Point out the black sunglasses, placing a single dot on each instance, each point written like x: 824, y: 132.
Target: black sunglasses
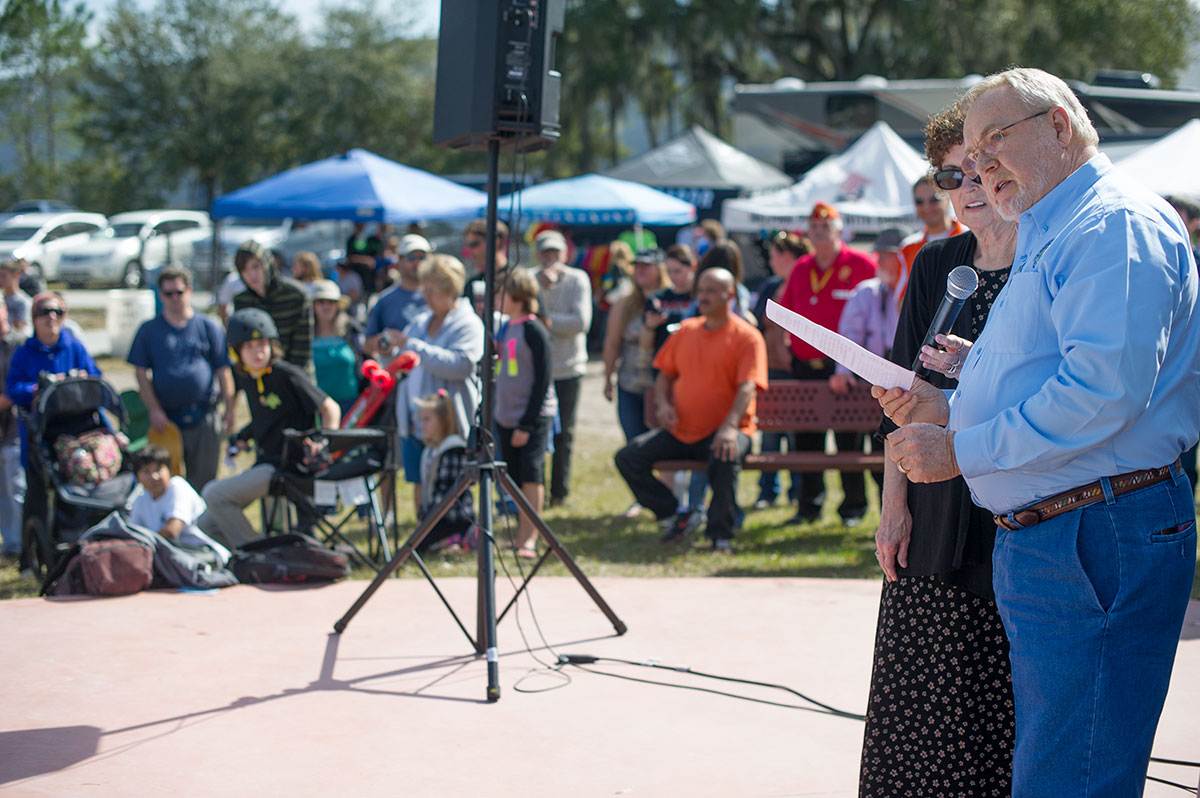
x: 43, y: 312
x: 171, y: 293
x: 950, y: 179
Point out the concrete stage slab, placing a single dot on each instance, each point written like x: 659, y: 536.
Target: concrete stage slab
x: 247, y: 692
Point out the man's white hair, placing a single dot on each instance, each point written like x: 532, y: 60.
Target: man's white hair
x: 1038, y: 89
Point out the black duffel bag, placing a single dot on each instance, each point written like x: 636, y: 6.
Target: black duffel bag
x: 292, y: 558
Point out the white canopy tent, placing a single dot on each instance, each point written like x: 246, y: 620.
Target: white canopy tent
x: 1170, y: 165
x: 870, y: 184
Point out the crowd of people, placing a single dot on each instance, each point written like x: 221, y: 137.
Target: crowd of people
x: 1037, y: 530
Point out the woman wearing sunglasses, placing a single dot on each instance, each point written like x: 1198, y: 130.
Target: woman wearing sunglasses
x: 940, y: 715
x: 52, y: 349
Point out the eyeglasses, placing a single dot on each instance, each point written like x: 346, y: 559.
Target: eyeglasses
x: 56, y: 312
x: 422, y: 255
x: 950, y: 179
x: 172, y: 294
x: 991, y: 145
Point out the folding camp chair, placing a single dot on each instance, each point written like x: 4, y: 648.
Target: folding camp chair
x: 361, y: 459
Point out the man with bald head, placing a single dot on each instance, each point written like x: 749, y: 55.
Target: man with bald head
x: 709, y: 372
x: 1071, y: 413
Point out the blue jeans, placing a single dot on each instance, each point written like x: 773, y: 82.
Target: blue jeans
x: 1093, y: 603
x: 631, y: 412
x: 768, y: 481
x: 12, y: 496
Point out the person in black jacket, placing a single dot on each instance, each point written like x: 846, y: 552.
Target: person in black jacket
x: 281, y: 397
x: 926, y: 735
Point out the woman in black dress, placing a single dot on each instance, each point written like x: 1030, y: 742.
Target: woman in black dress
x: 940, y: 715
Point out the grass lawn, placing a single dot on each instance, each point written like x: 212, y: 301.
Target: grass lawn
x: 606, y: 544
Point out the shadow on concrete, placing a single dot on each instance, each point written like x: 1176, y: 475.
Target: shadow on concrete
x: 34, y: 752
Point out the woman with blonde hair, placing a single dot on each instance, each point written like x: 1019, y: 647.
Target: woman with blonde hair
x: 624, y: 357
x: 306, y: 269
x: 448, y: 336
x: 618, y: 279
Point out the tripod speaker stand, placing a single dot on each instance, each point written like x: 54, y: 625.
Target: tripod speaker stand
x: 485, y: 469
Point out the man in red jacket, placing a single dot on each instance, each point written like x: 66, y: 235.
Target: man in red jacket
x: 818, y: 288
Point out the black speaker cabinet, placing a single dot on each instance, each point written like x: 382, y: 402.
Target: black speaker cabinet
x: 496, y: 76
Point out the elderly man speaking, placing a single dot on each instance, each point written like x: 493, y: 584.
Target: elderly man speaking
x: 1071, y: 413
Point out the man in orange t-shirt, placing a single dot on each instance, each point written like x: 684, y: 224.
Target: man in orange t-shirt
x: 709, y: 374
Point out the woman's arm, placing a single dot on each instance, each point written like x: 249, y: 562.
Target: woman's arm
x: 895, y: 521
x: 456, y: 362
x: 612, y: 348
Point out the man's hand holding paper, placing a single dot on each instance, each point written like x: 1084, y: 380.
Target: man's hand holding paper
x: 923, y: 403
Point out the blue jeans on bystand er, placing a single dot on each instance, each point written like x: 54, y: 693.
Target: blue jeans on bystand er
x: 631, y: 413
x: 769, y: 481
x: 1093, y: 603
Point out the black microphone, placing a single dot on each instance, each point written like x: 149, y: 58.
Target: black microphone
x: 960, y: 284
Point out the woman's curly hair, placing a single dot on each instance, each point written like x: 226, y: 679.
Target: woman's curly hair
x: 943, y: 130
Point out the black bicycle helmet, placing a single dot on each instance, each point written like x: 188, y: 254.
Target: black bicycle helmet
x: 249, y: 324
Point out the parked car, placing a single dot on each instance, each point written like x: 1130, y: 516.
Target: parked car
x: 286, y: 235
x: 36, y: 206
x: 42, y: 238
x: 133, y: 242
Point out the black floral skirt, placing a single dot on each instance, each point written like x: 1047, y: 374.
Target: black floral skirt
x: 940, y: 715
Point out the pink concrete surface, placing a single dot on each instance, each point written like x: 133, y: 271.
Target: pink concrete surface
x: 248, y: 692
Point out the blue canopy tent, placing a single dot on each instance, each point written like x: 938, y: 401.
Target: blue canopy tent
x: 358, y: 186
x: 597, y: 200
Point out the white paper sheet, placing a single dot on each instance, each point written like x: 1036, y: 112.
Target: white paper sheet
x: 868, y: 365
x: 325, y: 493
x: 354, y: 492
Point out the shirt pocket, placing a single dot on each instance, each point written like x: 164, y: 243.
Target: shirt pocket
x: 1022, y: 298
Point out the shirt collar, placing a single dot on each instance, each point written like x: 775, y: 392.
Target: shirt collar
x: 1064, y: 195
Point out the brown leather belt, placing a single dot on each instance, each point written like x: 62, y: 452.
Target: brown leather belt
x: 1081, y: 497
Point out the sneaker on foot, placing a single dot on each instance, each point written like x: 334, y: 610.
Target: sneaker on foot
x: 722, y: 546
x: 633, y: 510
x: 680, y: 525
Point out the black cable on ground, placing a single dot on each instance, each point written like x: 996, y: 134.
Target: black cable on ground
x: 1184, y: 787
x: 579, y: 660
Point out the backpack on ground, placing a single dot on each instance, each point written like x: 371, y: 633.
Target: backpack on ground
x: 291, y: 558
x: 105, y: 567
x: 108, y: 560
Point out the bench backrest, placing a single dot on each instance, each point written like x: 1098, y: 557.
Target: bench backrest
x: 809, y: 405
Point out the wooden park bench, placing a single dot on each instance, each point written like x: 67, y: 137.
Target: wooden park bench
x: 788, y: 406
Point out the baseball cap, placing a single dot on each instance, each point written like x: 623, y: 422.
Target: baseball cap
x: 551, y: 239
x: 823, y: 210
x: 326, y: 289
x: 889, y: 240
x: 414, y: 243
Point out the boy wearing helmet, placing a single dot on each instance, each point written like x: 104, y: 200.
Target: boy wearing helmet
x: 281, y: 396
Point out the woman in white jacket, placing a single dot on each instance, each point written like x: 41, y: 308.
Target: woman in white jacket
x: 448, y: 337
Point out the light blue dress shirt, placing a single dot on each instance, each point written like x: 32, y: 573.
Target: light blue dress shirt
x: 1089, y: 365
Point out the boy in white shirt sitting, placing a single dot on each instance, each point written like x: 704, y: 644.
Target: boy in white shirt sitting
x: 169, y: 505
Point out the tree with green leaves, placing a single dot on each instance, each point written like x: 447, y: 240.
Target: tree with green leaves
x: 194, y: 87
x: 41, y: 45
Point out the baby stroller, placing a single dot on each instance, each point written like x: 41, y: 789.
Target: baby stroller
x: 58, y: 508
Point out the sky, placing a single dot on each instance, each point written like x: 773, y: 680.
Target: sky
x: 427, y: 12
